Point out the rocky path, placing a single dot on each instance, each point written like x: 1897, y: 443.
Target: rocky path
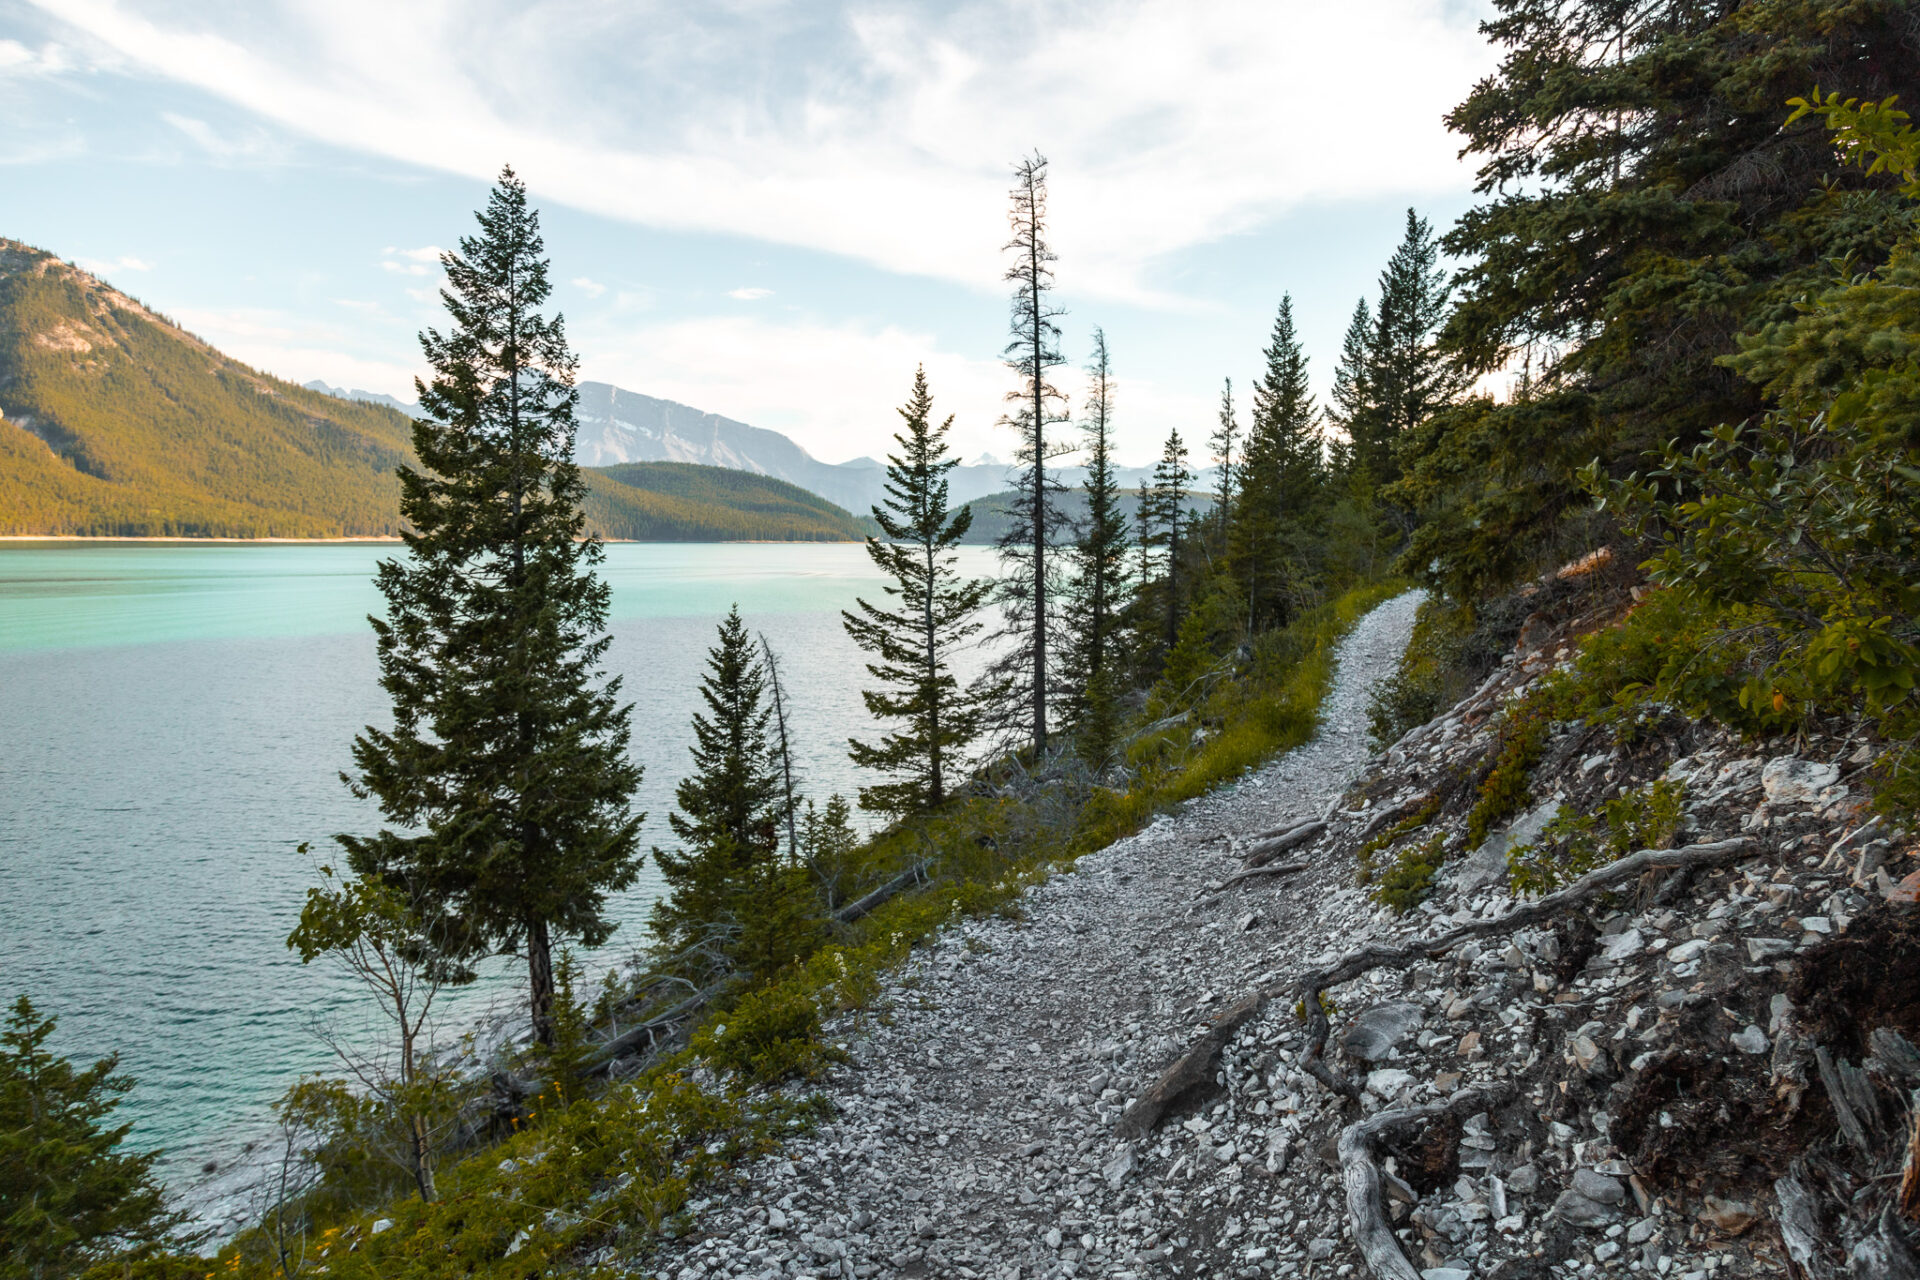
x: 975, y: 1126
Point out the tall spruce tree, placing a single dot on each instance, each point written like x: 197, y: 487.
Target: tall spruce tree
x: 1408, y: 376
x: 1021, y: 683
x: 1352, y: 404
x: 1163, y: 528
x: 1101, y: 579
x: 1281, y: 480
x: 1224, y: 437
x: 727, y: 815
x: 506, y: 769
x: 933, y: 613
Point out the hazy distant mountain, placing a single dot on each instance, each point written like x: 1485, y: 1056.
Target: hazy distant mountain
x: 617, y: 425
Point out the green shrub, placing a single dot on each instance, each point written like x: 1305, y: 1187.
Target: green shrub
x: 1575, y: 843
x: 1408, y: 881
x: 769, y: 1035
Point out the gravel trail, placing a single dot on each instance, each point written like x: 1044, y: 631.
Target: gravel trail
x: 974, y: 1126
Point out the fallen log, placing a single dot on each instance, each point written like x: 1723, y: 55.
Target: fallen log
x: 1270, y: 846
x: 1151, y: 1105
x: 647, y: 1034
x: 916, y: 874
x: 1360, y: 1171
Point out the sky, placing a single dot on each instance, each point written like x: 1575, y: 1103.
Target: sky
x: 768, y: 211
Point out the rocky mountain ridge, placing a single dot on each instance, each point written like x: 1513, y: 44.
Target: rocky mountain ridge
x: 1693, y: 1062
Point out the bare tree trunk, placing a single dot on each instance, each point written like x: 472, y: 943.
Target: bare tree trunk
x: 540, y: 979
x: 786, y: 754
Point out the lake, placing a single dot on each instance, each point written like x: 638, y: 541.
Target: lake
x: 173, y: 721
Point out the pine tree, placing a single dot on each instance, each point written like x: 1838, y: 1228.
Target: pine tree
x: 934, y: 614
x: 1163, y: 526
x: 1407, y: 375
x: 506, y: 769
x: 1222, y: 441
x: 1020, y: 685
x: 1281, y: 480
x: 1099, y: 591
x: 68, y: 1196
x: 1353, y: 406
x: 727, y: 813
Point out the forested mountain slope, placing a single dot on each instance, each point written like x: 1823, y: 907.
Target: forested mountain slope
x: 116, y: 422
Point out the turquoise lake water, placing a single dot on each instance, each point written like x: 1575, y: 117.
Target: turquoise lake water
x: 173, y: 720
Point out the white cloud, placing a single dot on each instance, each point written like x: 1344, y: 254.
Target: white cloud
x: 815, y: 382
x: 104, y: 267
x: 253, y: 145
x: 592, y: 288
x: 297, y: 350
x: 17, y: 59
x: 750, y: 294
x: 818, y: 383
x: 411, y: 262
x: 882, y: 134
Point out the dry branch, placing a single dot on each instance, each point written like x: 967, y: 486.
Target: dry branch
x: 1361, y: 1173
x: 1147, y: 1110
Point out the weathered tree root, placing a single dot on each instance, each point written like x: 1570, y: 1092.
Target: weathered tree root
x: 1197, y: 1063
x: 1254, y: 873
x: 1361, y: 1172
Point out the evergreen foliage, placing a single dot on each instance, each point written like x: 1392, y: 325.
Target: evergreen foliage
x: 1164, y: 524
x: 68, y: 1196
x: 734, y: 901
x: 1095, y: 663
x: 1642, y: 205
x: 1221, y: 442
x: 1021, y: 687
x: 1352, y: 394
x: 506, y: 769
x: 1281, y: 476
x: 934, y: 612
x: 1407, y: 377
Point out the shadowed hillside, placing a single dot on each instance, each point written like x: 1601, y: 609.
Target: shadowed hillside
x: 115, y: 422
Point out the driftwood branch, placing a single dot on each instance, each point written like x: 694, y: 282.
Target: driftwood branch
x: 1361, y: 1173
x: 1885, y: 1253
x: 1268, y: 845
x: 1196, y: 1063
x: 1800, y: 1229
x: 1194, y: 1070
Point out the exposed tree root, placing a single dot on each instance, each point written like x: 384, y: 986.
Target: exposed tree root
x: 1254, y: 873
x: 1197, y: 1063
x: 1361, y: 1172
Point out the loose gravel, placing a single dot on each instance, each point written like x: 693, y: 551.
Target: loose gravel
x: 973, y: 1127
